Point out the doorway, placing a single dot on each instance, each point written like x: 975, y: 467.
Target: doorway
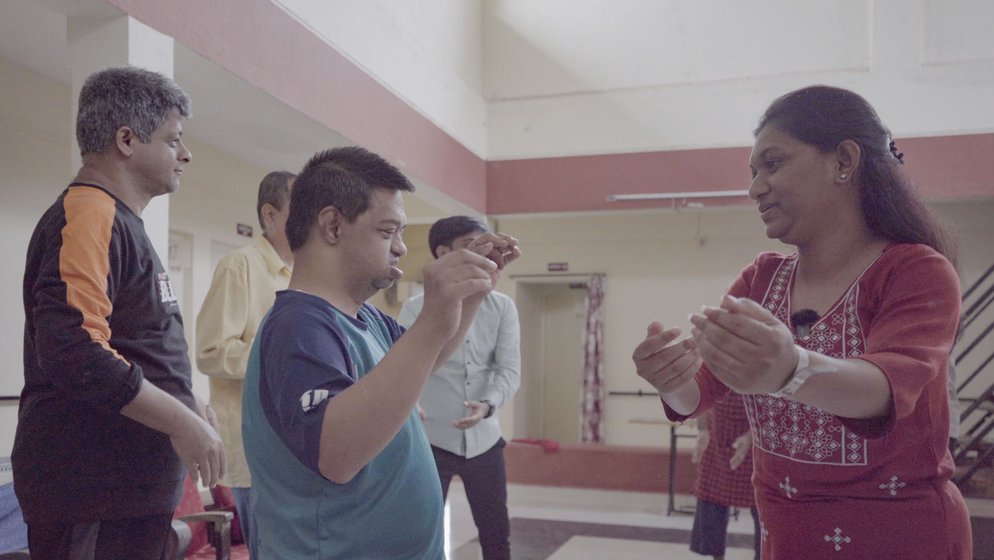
x: 552, y: 312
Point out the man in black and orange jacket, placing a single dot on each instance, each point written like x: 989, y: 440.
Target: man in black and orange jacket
x: 107, y: 417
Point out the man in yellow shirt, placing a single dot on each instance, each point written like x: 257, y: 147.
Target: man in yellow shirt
x: 244, y: 288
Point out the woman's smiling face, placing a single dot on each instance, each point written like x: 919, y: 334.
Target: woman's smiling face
x: 792, y: 184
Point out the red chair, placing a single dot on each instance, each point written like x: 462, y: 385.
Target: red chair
x: 200, y: 533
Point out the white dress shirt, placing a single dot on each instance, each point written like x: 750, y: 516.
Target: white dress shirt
x: 486, y: 366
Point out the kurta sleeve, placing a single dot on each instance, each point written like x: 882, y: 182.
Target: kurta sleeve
x: 912, y: 326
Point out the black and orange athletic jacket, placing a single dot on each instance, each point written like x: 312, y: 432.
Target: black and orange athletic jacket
x: 100, y: 315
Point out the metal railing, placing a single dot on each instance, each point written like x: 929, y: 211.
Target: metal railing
x: 973, y: 450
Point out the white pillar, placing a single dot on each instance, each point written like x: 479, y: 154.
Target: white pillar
x: 95, y: 44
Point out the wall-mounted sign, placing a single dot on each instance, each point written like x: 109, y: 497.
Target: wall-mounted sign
x: 558, y: 267
x: 244, y: 230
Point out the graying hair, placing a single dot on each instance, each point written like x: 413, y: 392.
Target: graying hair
x: 125, y: 96
x: 275, y: 190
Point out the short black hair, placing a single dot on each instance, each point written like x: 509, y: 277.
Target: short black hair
x: 341, y: 177
x: 447, y: 230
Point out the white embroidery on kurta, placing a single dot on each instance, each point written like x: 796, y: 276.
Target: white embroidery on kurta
x: 797, y: 431
x: 893, y: 485
x: 787, y: 488
x: 837, y: 539
x: 777, y: 293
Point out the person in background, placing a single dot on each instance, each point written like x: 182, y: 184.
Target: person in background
x: 840, y: 348
x: 461, y: 397
x: 108, y: 419
x: 242, y: 291
x: 723, y: 455
x: 341, y: 466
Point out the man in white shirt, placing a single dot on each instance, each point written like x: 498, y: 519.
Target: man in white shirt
x: 242, y: 291
x: 461, y: 398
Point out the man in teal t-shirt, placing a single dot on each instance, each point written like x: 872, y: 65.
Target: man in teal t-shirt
x: 340, y: 464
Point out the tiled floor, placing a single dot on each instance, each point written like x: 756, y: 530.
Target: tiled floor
x: 570, y: 524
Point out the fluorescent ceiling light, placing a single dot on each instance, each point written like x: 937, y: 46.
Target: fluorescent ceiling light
x: 675, y: 196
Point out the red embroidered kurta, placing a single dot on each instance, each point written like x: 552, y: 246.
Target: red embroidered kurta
x: 716, y: 481
x: 831, y: 487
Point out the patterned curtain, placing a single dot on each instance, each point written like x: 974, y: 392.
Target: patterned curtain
x: 592, y: 411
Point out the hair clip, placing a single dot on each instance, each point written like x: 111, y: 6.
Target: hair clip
x: 893, y: 150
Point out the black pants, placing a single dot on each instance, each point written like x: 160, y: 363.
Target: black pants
x: 711, y: 527
x: 135, y: 538
x: 486, y: 490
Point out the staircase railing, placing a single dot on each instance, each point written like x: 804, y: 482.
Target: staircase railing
x: 973, y: 450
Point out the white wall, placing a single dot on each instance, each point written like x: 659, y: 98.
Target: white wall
x: 574, y: 78
x: 522, y: 79
x: 34, y: 159
x: 427, y: 51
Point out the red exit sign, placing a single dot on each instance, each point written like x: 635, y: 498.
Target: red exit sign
x: 558, y: 267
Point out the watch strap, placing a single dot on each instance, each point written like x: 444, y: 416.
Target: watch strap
x: 801, y: 374
x: 490, y: 410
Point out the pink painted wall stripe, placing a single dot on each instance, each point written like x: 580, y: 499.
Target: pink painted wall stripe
x: 943, y: 168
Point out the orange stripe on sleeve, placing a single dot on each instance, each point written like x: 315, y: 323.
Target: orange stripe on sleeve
x: 84, y: 260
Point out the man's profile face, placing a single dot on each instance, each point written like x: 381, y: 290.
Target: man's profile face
x: 158, y: 163
x: 374, y: 241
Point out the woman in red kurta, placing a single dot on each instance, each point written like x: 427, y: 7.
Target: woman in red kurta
x: 724, y: 475
x: 840, y: 348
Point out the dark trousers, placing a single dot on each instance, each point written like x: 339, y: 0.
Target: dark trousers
x: 711, y: 527
x: 486, y: 490
x: 136, y: 538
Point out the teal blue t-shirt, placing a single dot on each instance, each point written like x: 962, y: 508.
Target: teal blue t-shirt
x: 306, y: 353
